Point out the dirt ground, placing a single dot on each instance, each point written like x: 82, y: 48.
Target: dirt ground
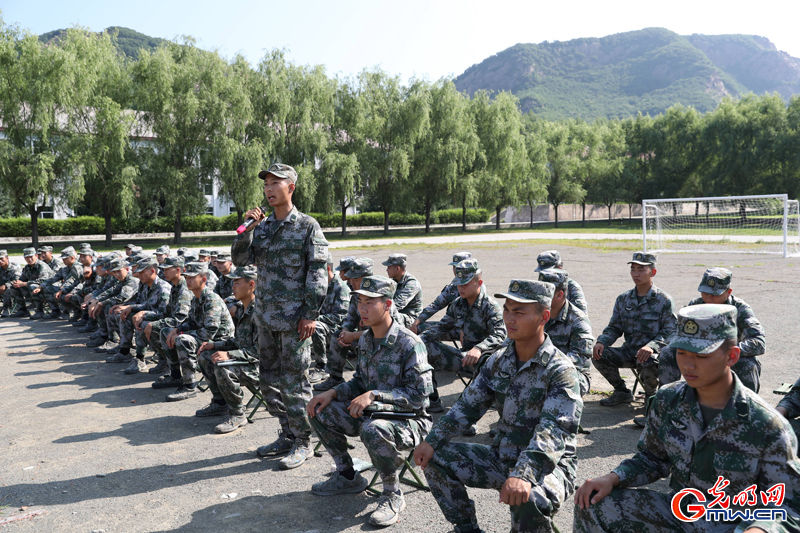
x: 87, y: 448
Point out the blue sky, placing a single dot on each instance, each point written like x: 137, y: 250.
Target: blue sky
x: 412, y: 38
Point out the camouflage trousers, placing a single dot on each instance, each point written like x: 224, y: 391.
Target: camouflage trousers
x: 625, y: 357
x: 442, y: 356
x: 387, y: 441
x: 5, y: 298
x: 50, y: 296
x: 791, y: 402
x: 23, y: 297
x: 405, y: 320
x: 748, y: 368
x: 319, y: 343
x: 182, y: 358
x: 457, y: 465
x: 282, y: 365
x: 637, y: 510
x: 225, y: 382
x: 337, y: 356
x: 127, y: 333
x: 156, y: 343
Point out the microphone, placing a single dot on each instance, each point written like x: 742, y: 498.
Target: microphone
x: 247, y: 223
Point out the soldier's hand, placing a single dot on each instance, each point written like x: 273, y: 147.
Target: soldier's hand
x: 345, y: 339
x: 37, y: 290
x: 644, y: 353
x: 359, y: 403
x: 148, y: 330
x: 218, y: 357
x: 320, y: 402
x: 471, y: 357
x: 414, y: 327
x: 306, y: 328
x: 597, y: 353
x: 423, y: 454
x: 256, y: 214
x: 206, y: 346
x: 58, y: 295
x: 137, y: 319
x: 171, y: 338
x: 594, y: 490
x: 515, y: 491
x: 124, y: 311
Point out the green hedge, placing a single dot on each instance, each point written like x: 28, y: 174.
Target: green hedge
x: 20, y: 227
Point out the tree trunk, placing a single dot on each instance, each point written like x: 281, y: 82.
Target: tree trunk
x: 344, y: 219
x: 530, y: 203
x: 555, y: 213
x: 386, y: 221
x: 583, y: 214
x: 239, y: 217
x: 497, y: 220
x: 464, y: 213
x: 107, y: 219
x: 427, y: 216
x: 630, y: 212
x: 177, y: 239
x: 34, y: 212
x: 609, y: 211
x: 697, y: 209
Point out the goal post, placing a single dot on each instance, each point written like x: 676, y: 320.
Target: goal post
x: 768, y: 223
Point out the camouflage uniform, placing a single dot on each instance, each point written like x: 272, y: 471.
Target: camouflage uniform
x: 571, y: 332
x: 396, y: 370
x: 447, y: 296
x: 35, y: 275
x: 153, y: 300
x: 291, y: 256
x: 55, y: 263
x: 176, y: 312
x: 74, y: 292
x: 7, y: 275
x: 122, y: 292
x: 64, y: 277
x: 540, y: 408
x: 791, y: 402
x: 552, y: 259
x: 408, y: 299
x: 331, y: 316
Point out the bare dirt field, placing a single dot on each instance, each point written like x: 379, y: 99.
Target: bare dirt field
x: 86, y: 448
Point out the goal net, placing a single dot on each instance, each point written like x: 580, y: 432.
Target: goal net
x: 742, y: 224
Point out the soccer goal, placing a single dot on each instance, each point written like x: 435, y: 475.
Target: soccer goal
x: 767, y: 223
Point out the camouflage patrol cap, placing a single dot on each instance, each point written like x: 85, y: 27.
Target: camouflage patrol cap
x: 189, y: 257
x: 214, y: 253
x: 556, y: 276
x: 223, y: 256
x: 643, y: 258
x: 279, y: 170
x: 3, y: 253
x: 43, y: 249
x: 129, y: 246
x: 172, y: 261
x: 84, y: 245
x: 460, y: 256
x: 528, y: 291
x: 396, y: 259
x: 715, y: 281
x: 145, y: 263
x: 360, y: 268
x: 28, y: 252
x: 703, y: 328
x: 548, y: 259
x: 136, y: 257
x: 117, y: 264
x: 182, y: 250
x: 196, y: 268
x: 377, y: 286
x: 69, y: 251
x: 345, y: 263
x: 465, y: 271
x: 248, y: 271
x: 162, y: 250
x: 135, y: 249
x: 87, y: 250
x: 204, y: 253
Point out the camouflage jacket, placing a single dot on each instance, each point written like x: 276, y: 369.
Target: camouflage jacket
x: 791, y: 402
x: 83, y: 286
x: 9, y: 274
x: 209, y: 319
x: 446, y: 297
x: 67, y: 276
x: 76, y: 284
x: 153, y: 299
x: 224, y: 287
x: 102, y: 284
x: 121, y: 292
x: 540, y: 409
x: 211, y: 280
x: 571, y: 332
x: 395, y: 369
x: 481, y: 323
x: 291, y: 257
x: 647, y: 321
x: 336, y: 304
x: 245, y: 341
x: 747, y: 443
x: 408, y: 296
x: 575, y: 295
x: 36, y: 274
x: 177, y: 310
x: 55, y: 263
x: 751, y: 333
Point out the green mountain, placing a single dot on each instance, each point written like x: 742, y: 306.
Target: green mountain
x: 127, y: 40
x: 643, y: 71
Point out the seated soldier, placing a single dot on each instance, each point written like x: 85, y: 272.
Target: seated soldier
x: 569, y: 328
x: 552, y: 259
x: 45, y: 254
x: 161, y: 253
x: 408, y: 296
x: 72, y: 271
x: 474, y: 318
x: 29, y: 286
x: 227, y: 363
x: 103, y: 281
x: 707, y: 433
x: 107, y: 334
x: 645, y: 316
x: 208, y: 256
x: 445, y: 298
x: 9, y: 273
x: 331, y: 316
x: 208, y: 320
x: 384, y: 403
x: 204, y: 256
x: 224, y: 266
x: 789, y: 406
x: 532, y: 459
x: 73, y: 296
x: 715, y: 289
x: 177, y: 311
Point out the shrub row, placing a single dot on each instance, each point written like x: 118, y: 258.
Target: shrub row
x: 20, y: 227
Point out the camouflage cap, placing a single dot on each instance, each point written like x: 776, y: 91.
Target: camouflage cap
x: 135, y: 249
x: 223, y: 256
x: 360, y: 268
x: 346, y: 263
x: 189, y: 257
x: 43, y: 249
x: 129, y: 246
x: 117, y: 264
x: 85, y: 245
x: 214, y: 253
x: 279, y: 170
x: 145, y: 263
x: 249, y: 272
x: 396, y: 259
x: 69, y: 251
x: 196, y: 268
x: 460, y: 256
x: 87, y: 250
x: 715, y: 281
x: 182, y: 250
x: 3, y: 253
x: 204, y: 253
x: 643, y: 258
x: 162, y: 250
x: 377, y: 286
x: 556, y: 276
x: 465, y: 271
x: 28, y: 252
x: 528, y: 291
x: 548, y: 259
x: 172, y: 261
x: 134, y: 258
x: 703, y: 328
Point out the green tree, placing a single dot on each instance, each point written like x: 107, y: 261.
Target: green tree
x: 602, y: 166
x: 563, y: 159
x: 534, y: 187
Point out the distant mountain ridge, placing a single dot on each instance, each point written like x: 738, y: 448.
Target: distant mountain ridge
x: 127, y: 40
x: 643, y: 71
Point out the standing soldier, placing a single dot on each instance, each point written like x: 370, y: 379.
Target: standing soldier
x: 552, y: 259
x: 446, y: 297
x: 9, y: 273
x: 645, y: 316
x: 290, y: 251
x: 28, y: 285
x: 331, y: 316
x: 408, y: 296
